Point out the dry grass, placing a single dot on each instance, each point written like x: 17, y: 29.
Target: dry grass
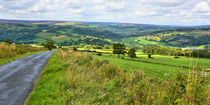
x: 11, y: 50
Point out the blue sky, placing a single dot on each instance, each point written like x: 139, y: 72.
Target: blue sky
x: 163, y: 12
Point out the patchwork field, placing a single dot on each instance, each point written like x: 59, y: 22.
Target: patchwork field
x: 160, y: 65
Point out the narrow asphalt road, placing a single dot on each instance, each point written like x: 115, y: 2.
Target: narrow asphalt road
x: 17, y: 78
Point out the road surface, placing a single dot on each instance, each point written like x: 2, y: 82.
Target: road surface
x: 17, y: 78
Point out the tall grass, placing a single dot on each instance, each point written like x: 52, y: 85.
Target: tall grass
x: 75, y: 78
x: 94, y: 82
x: 11, y: 50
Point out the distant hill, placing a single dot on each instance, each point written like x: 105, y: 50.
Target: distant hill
x: 102, y: 33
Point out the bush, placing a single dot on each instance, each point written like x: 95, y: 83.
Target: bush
x: 99, y: 53
x: 176, y: 57
x: 75, y: 48
x: 132, y: 53
x: 50, y: 44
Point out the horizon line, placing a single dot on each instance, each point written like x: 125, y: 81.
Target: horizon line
x: 54, y: 20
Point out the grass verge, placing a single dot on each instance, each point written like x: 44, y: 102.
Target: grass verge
x: 52, y: 88
x: 10, y: 52
x: 10, y: 59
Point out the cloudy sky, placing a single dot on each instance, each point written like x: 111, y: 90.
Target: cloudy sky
x: 164, y: 12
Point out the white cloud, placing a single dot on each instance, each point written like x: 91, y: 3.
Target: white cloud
x: 146, y: 12
x: 138, y: 11
x: 202, y: 7
x: 44, y: 6
x: 1, y: 7
x: 164, y: 3
x: 76, y: 11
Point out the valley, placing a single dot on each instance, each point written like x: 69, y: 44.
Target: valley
x: 87, y: 33
x: 103, y: 63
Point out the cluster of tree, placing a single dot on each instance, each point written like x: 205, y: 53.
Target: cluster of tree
x: 8, y: 41
x: 201, y: 53
x: 150, y: 50
x: 49, y: 44
x: 119, y: 49
x: 93, y: 41
x: 186, y: 40
x: 162, y: 50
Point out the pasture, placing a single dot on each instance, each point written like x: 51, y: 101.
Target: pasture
x: 160, y: 65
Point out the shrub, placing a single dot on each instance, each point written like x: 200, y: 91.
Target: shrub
x: 75, y: 48
x: 50, y: 44
x: 132, y: 53
x: 99, y: 53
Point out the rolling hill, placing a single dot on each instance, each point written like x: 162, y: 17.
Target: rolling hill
x: 98, y: 33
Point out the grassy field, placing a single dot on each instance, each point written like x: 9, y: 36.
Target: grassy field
x: 74, y: 78
x: 148, y: 67
x: 160, y: 65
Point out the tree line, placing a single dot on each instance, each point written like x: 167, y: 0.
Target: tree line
x: 120, y: 49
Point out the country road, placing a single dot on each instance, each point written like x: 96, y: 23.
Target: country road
x: 17, y: 78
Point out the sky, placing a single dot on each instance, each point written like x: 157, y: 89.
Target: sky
x: 161, y: 12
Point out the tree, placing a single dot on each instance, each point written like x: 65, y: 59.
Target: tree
x: 75, y: 48
x: 8, y: 41
x: 49, y: 44
x: 132, y: 53
x: 206, y: 47
x: 60, y: 47
x: 150, y: 50
x: 119, y: 49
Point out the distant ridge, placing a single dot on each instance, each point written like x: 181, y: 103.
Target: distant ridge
x: 29, y: 21
x: 86, y: 22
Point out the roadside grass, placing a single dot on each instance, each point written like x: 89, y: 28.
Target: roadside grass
x: 52, y: 87
x: 7, y: 60
x: 75, y: 78
x: 9, y: 52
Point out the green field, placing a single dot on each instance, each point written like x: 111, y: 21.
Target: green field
x: 159, y: 65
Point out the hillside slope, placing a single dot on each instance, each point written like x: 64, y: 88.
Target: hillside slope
x: 74, y: 33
